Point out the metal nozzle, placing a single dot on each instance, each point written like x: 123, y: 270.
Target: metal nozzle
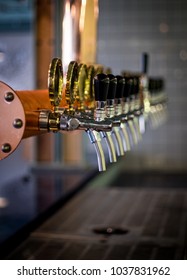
x: 137, y: 128
x: 110, y: 145
x: 118, y: 141
x: 133, y: 137
x: 95, y: 139
x: 126, y: 143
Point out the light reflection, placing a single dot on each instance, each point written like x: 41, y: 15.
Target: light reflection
x: 67, y: 40
x: 82, y: 15
x: 2, y: 56
x: 3, y: 202
x: 164, y: 27
x: 183, y: 55
x: 96, y: 9
x: 178, y: 73
x: 73, y: 11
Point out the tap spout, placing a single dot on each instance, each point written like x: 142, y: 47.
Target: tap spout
x: 132, y: 131
x: 126, y: 143
x: 95, y: 139
x: 118, y: 141
x: 110, y: 145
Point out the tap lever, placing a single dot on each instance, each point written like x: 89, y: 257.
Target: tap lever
x: 118, y: 137
x: 145, y: 63
x: 112, y: 87
x: 126, y: 109
x: 119, y: 95
x: 101, y: 85
x: 110, y: 106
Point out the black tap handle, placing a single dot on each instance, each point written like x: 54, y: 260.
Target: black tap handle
x: 120, y: 86
x: 136, y: 86
x: 151, y: 85
x: 128, y: 87
x: 101, y: 86
x: 161, y: 84
x: 145, y: 63
x: 112, y: 86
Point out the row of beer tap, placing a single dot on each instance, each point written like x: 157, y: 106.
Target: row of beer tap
x: 111, y: 108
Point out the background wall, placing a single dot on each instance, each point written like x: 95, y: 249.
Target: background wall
x: 126, y: 30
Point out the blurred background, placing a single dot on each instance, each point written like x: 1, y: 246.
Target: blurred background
x: 32, y: 33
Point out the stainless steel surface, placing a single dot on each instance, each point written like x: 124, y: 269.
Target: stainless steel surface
x: 150, y: 209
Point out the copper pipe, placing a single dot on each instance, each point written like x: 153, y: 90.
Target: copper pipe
x: 19, y: 115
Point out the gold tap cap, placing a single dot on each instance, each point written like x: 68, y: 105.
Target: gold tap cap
x: 55, y: 81
x: 71, y: 78
x: 80, y: 84
x: 89, y: 89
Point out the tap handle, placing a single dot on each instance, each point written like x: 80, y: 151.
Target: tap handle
x: 145, y: 63
x: 79, y: 85
x: 128, y: 87
x: 101, y: 86
x: 89, y: 90
x: 120, y: 86
x: 112, y: 86
x: 136, y: 86
x: 152, y: 85
x: 133, y: 88
x: 55, y: 81
x: 71, y: 78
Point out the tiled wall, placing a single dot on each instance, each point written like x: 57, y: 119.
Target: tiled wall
x: 126, y: 30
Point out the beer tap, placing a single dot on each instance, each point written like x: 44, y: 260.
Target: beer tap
x: 116, y: 130
x: 157, y: 102
x: 153, y: 120
x: 91, y: 122
x: 124, y: 117
x: 137, y: 107
x: 101, y: 85
x: 144, y: 93
x: 110, y: 109
x: 130, y: 122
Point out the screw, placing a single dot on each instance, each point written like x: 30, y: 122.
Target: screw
x: 17, y: 123
x: 9, y: 96
x: 6, y: 148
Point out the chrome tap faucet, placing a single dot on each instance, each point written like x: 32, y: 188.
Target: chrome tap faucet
x: 101, y: 85
x: 116, y: 131
x: 131, y: 122
x: 110, y: 109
